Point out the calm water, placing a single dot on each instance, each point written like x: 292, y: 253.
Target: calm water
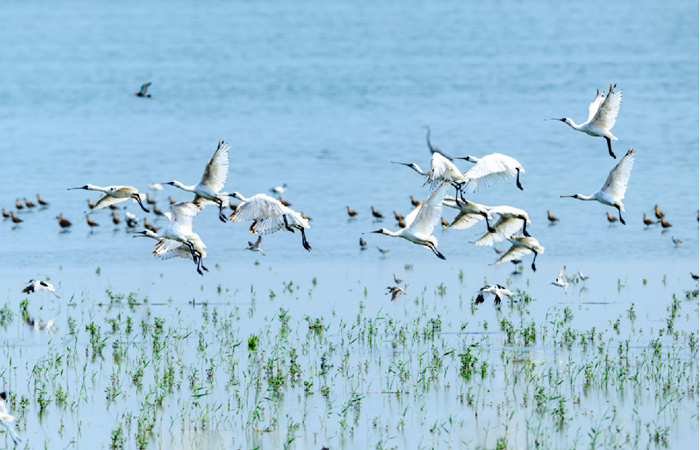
x: 323, y: 96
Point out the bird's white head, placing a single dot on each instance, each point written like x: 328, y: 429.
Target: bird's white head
x: 31, y: 281
x: 237, y: 196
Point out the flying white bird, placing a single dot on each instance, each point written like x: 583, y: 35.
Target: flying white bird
x: 490, y: 170
x: 6, y: 419
x: 166, y: 249
x: 421, y: 222
x: 269, y: 216
x: 508, y: 223
x: 498, y: 291
x: 213, y: 180
x: 395, y: 292
x: 279, y: 190
x: 155, y: 187
x: 613, y: 191
x: 469, y: 213
x: 601, y: 116
x: 522, y: 245
x: 256, y: 247
x: 441, y: 169
x: 561, y: 280
x: 114, y: 194
x: 36, y: 286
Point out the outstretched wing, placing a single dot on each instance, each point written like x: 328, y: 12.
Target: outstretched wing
x: 259, y: 206
x: 217, y: 169
x: 490, y: 170
x: 181, y: 216
x: 106, y: 201
x: 593, y: 109
x: 512, y: 253
x: 562, y: 273
x: 465, y: 220
x: 607, y: 112
x: 503, y: 229
x: 440, y: 167
x: 616, y: 184
x: 424, y: 218
x: 144, y: 88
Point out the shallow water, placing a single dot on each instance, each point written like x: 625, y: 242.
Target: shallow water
x: 323, y: 97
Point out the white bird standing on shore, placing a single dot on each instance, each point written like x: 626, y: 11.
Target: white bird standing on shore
x: 601, y: 116
x: 508, y: 223
x: 613, y: 191
x: 561, y: 280
x: 269, y: 216
x: 114, y: 194
x: 213, y: 180
x: 6, y: 419
x: 498, y: 291
x: 35, y: 286
x: 421, y: 222
x: 522, y: 245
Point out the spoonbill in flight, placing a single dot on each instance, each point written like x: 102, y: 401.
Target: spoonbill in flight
x: 490, y: 170
x: 213, y: 180
x: 498, y: 291
x: 269, y: 216
x: 166, y: 249
x: 613, y: 191
x: 421, y: 222
x: 6, y: 419
x: 508, y: 223
x: 601, y: 116
x: 522, y: 245
x: 35, y: 286
x: 561, y: 280
x: 114, y: 194
x: 469, y: 213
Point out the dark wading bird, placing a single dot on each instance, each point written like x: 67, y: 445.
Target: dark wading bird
x: 351, y: 213
x: 551, y: 218
x: 601, y: 116
x: 613, y: 191
x: 143, y: 92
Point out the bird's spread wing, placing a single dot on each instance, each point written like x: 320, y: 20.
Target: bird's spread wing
x: 616, y: 184
x: 608, y: 109
x: 490, y: 170
x: 465, y: 220
x: 144, y: 88
x: 504, y: 228
x: 424, y: 218
x: 562, y: 273
x: 259, y: 206
x: 272, y: 225
x: 217, y: 169
x: 181, y: 216
x: 29, y: 289
x: 439, y: 166
x: 513, y: 253
x: 106, y: 201
x: 593, y: 109
x: 168, y: 248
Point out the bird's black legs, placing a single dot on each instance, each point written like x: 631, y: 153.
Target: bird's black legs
x: 435, y: 250
x: 489, y: 228
x: 517, y: 179
x: 304, y: 242
x: 138, y: 199
x: 619, y: 211
x: 222, y: 217
x: 534, y: 269
x: 524, y: 228
x: 286, y: 224
x: 610, y: 148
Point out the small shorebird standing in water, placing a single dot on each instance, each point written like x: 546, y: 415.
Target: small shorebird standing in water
x: 213, y: 180
x: 363, y: 244
x: 647, y: 222
x: 611, y: 219
x: 551, y: 218
x: 665, y: 224
x: 63, y: 222
x: 397, y: 280
x: 676, y: 241
x: 15, y: 219
x: 91, y: 223
x: 40, y: 201
x: 694, y: 276
x: 601, y: 116
x: 28, y: 203
x: 415, y: 202
x: 383, y: 250
x: 421, y: 222
x: 498, y: 291
x: 561, y: 280
x: 143, y: 92
x: 351, y: 213
x: 283, y: 201
x: 582, y: 277
x: 18, y: 204
x: 377, y: 214
x: 395, y: 292
x: 35, y: 286
x: 149, y: 200
x: 5, y: 214
x: 256, y: 247
x: 6, y: 419
x: 657, y: 212
x: 613, y: 191
x: 113, y: 195
x: 115, y: 219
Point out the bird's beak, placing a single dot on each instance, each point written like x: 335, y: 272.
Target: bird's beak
x: 563, y: 196
x: 560, y: 120
x: 71, y: 189
x: 394, y: 162
x: 378, y: 231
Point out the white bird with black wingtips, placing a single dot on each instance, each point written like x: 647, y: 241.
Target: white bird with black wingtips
x: 601, y: 116
x: 421, y: 222
x: 212, y: 182
x: 509, y: 222
x: 37, y: 286
x: 522, y: 245
x: 498, y: 291
x: 613, y: 191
